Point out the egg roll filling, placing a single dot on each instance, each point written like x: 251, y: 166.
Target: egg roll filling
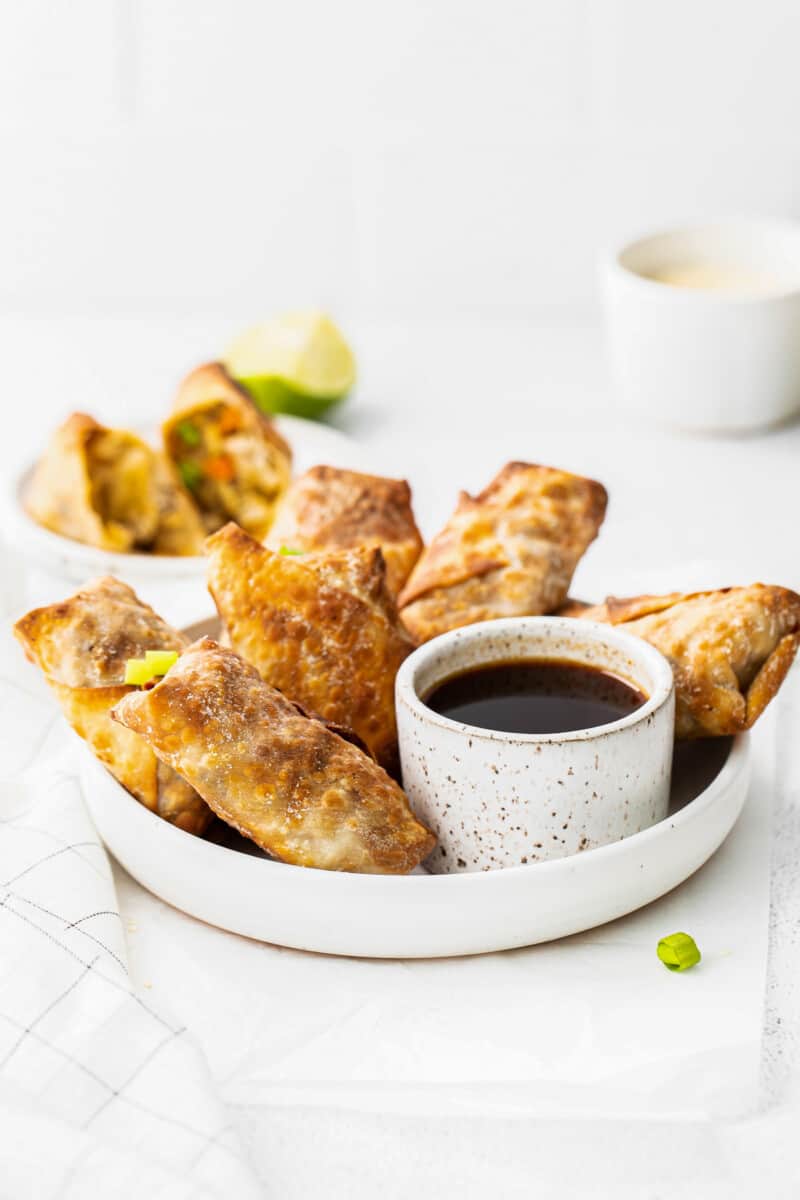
x: 229, y: 471
x: 121, y: 487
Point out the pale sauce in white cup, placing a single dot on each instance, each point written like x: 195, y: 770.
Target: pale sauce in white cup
x: 704, y: 325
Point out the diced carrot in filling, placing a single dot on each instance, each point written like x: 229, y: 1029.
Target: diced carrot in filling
x: 220, y: 468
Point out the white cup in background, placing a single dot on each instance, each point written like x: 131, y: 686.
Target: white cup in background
x: 704, y: 325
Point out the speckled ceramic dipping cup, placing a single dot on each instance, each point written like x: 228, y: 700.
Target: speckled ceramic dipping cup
x: 501, y: 799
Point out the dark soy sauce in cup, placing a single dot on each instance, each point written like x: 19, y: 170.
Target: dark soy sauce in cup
x: 542, y: 695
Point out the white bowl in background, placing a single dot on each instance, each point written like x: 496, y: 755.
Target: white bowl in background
x: 175, y: 586
x: 721, y: 351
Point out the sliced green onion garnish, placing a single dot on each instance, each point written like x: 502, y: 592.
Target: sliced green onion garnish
x: 286, y: 550
x: 678, y: 952
x: 190, y: 473
x: 139, y: 671
x: 161, y: 660
x: 188, y: 433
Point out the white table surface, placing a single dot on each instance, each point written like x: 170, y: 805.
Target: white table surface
x: 445, y: 407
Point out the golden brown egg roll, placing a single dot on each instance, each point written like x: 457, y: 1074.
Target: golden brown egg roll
x: 285, y: 780
x: 229, y: 455
x: 108, y: 488
x: 82, y: 645
x: 332, y: 509
x: 510, y: 551
x: 321, y: 628
x: 729, y: 650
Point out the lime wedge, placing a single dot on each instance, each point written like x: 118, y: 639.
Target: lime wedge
x: 298, y: 363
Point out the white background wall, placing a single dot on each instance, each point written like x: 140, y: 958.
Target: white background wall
x: 391, y: 159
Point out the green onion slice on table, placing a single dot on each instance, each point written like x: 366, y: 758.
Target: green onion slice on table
x: 678, y: 952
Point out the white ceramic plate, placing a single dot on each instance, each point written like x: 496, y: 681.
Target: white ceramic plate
x: 174, y: 585
x: 228, y: 882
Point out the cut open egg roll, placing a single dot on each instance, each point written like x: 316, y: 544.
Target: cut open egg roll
x: 82, y: 646
x: 729, y: 650
x: 328, y: 508
x: 321, y: 628
x: 509, y: 551
x: 229, y: 455
x: 108, y: 488
x: 282, y: 778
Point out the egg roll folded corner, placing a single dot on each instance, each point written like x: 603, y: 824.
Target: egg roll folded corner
x: 81, y: 645
x: 329, y: 508
x: 282, y: 779
x: 320, y: 627
x: 230, y: 455
x: 729, y: 649
x: 509, y: 551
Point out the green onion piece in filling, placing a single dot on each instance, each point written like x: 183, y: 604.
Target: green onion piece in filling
x: 188, y: 433
x: 678, y: 952
x: 286, y: 550
x: 190, y: 473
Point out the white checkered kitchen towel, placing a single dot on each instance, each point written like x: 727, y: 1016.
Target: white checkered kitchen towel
x: 101, y: 1094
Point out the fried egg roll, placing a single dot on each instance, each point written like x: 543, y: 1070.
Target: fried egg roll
x: 730, y: 650
x: 322, y: 628
x: 332, y: 509
x: 229, y: 455
x: 278, y: 776
x: 509, y: 551
x: 82, y: 646
x: 108, y: 488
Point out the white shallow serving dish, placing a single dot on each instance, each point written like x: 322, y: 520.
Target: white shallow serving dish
x: 175, y: 586
x: 227, y: 882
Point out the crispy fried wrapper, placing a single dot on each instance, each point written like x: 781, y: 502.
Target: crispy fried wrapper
x: 510, y: 551
x: 230, y: 456
x: 729, y: 650
x: 108, y: 488
x: 332, y: 509
x: 82, y: 645
x: 322, y: 628
x: 285, y: 780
